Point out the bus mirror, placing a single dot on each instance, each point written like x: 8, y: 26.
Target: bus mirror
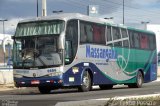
x: 61, y: 41
x: 13, y: 37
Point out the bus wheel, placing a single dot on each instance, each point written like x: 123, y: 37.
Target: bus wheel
x: 44, y: 89
x: 86, y: 82
x: 139, y: 81
x: 103, y: 87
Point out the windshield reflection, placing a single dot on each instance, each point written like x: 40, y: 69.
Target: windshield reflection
x: 36, y: 52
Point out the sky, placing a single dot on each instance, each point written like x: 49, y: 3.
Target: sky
x: 135, y: 11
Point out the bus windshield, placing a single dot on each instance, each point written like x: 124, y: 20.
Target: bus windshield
x: 36, y: 52
x: 40, y: 28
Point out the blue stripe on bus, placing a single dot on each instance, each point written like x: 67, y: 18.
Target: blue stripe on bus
x: 151, y: 73
x: 98, y: 78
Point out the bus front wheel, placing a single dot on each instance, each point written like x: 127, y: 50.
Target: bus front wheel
x: 44, y: 89
x: 139, y: 81
x: 86, y: 82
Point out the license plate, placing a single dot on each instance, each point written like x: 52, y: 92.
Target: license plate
x: 35, y: 82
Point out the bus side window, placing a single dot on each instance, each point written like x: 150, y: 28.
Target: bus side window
x: 124, y: 33
x: 136, y: 40
x: 89, y: 33
x: 152, y: 44
x: 86, y: 32
x: 109, y: 36
x: 83, y: 36
x: 125, y: 43
x: 119, y: 43
x: 99, y: 34
x: 68, y: 52
x: 116, y: 33
x: 71, y: 38
x: 92, y: 33
x: 144, y: 41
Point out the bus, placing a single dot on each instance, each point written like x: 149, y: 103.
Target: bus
x: 75, y: 50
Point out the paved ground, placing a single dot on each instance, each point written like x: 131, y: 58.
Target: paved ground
x: 32, y: 97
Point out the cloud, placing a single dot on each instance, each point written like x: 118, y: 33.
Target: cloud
x: 135, y: 10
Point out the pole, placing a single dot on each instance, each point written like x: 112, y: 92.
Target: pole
x: 3, y: 42
x: 4, y: 37
x: 44, y: 11
x: 37, y: 8
x: 145, y: 24
x: 123, y: 12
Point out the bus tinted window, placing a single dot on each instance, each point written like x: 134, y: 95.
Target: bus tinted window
x: 119, y: 43
x: 134, y: 39
x: 71, y: 43
x: 109, y: 36
x: 144, y: 41
x: 124, y: 33
x: 152, y: 44
x: 125, y: 43
x: 116, y: 33
x: 131, y: 38
x: 99, y: 34
x: 92, y: 33
x: 72, y: 30
x: 86, y: 34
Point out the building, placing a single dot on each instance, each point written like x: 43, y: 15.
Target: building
x: 156, y: 29
x: 5, y: 49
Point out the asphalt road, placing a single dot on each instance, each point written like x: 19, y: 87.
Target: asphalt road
x: 32, y: 97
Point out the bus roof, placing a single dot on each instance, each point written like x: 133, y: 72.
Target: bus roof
x: 68, y: 16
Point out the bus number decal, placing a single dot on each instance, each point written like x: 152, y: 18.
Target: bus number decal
x: 51, y: 70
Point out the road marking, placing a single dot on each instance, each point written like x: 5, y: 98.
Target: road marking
x: 129, y: 96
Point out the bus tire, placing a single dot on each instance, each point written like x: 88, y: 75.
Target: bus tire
x: 44, y: 89
x: 86, y: 82
x: 104, y: 87
x: 139, y: 81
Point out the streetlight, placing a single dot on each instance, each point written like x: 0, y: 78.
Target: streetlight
x: 145, y: 24
x: 4, y: 36
x: 60, y: 11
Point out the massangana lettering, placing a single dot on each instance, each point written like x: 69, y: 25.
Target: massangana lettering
x: 100, y: 53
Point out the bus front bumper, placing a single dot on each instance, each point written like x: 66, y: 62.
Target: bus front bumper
x: 35, y: 82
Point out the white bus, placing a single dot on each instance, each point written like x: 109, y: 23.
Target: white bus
x: 74, y: 50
